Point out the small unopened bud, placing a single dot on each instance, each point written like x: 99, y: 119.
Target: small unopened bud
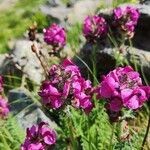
x: 32, y: 32
x: 34, y: 49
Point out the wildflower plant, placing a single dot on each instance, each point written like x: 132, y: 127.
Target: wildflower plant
x: 55, y: 36
x: 39, y: 137
x: 125, y: 19
x: 94, y: 27
x: 66, y: 86
x: 123, y: 87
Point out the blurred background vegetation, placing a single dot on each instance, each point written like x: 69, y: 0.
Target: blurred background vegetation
x: 16, y: 18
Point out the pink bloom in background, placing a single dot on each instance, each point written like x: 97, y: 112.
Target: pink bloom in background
x: 1, y: 84
x: 133, y: 13
x: 55, y: 36
x: 39, y: 137
x: 123, y: 87
x: 66, y: 86
x: 4, y: 110
x: 94, y: 27
x: 126, y: 18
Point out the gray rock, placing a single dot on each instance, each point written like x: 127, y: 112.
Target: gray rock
x: 142, y: 32
x: 2, y: 59
x: 19, y: 100
x: 59, y: 13
x: 23, y: 60
x: 73, y: 14
x: 54, y: 3
x: 146, y: 2
x: 105, y: 60
x: 81, y: 9
x: 25, y: 110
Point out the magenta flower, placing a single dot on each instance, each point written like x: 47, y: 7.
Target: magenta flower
x: 123, y: 87
x: 115, y: 104
x: 71, y: 68
x: 82, y: 94
x: 133, y: 98
x: 50, y: 95
x: 39, y: 137
x: 1, y: 84
x: 118, y: 13
x: 94, y: 27
x: 55, y: 36
x: 66, y: 86
x: 126, y: 19
x: 4, y: 110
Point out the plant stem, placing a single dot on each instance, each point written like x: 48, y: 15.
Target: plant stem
x: 94, y: 59
x: 88, y: 69
x: 133, y: 55
x: 35, y: 50
x: 146, y: 134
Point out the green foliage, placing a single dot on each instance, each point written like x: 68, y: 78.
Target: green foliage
x: 74, y: 36
x: 11, y: 136
x: 118, y: 2
x: 65, y: 1
x: 88, y: 132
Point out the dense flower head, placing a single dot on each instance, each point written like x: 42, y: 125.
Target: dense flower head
x: 55, y: 36
x: 1, y: 84
x: 94, y: 27
x: 123, y: 87
x: 66, y: 86
x: 4, y: 110
x: 39, y: 137
x: 126, y: 18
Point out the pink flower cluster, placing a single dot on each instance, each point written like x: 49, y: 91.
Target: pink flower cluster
x: 126, y: 18
x: 123, y: 87
x: 55, y: 36
x: 66, y: 86
x: 39, y: 137
x: 94, y: 27
x: 3, y: 108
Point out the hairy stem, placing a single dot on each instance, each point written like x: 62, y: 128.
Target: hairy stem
x: 34, y: 49
x: 146, y: 134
